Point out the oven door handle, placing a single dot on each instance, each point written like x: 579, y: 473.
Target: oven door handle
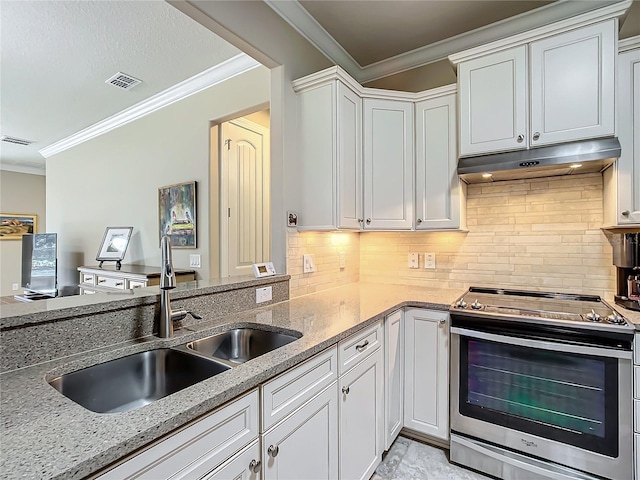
x: 558, y: 347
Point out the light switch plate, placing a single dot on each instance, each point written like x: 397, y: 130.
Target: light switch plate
x: 413, y: 260
x: 195, y: 261
x: 342, y: 259
x: 308, y: 265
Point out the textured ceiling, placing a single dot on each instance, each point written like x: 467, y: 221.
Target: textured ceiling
x: 56, y: 55
x: 377, y: 30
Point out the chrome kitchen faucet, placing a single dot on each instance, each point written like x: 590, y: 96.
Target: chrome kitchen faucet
x: 168, y: 282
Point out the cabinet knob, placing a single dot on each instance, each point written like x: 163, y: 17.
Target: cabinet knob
x: 360, y: 220
x: 536, y: 136
x: 625, y: 213
x: 273, y: 451
x: 254, y: 466
x: 520, y: 138
x: 419, y: 221
x: 368, y: 221
x: 442, y: 322
x: 345, y: 390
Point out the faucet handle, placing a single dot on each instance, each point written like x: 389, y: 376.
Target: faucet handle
x: 194, y: 315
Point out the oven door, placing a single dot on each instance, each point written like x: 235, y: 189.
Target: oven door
x: 565, y: 403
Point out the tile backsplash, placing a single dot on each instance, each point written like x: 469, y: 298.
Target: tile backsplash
x: 541, y: 234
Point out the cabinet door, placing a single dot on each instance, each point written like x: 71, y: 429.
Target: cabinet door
x: 394, y: 376
x: 316, y: 130
x: 493, y: 102
x: 426, y: 405
x: 305, y: 444
x: 388, y: 164
x: 438, y: 188
x: 361, y: 422
x: 628, y: 165
x: 349, y: 139
x: 572, y: 85
x: 244, y: 465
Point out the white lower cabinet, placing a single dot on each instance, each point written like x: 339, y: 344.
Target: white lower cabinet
x: 305, y: 444
x: 196, y: 450
x: 636, y: 405
x: 426, y: 400
x: 361, y: 414
x: 393, y: 376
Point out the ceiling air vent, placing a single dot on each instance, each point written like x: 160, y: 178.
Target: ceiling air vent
x: 16, y: 141
x: 123, y: 81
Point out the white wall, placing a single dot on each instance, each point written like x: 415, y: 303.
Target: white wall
x: 19, y: 193
x: 113, y: 179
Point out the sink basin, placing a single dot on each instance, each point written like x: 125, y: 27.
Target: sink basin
x: 240, y: 344
x: 131, y: 382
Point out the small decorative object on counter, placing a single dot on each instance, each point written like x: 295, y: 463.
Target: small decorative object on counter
x: 114, y: 245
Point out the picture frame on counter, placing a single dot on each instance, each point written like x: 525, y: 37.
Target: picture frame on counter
x: 114, y: 245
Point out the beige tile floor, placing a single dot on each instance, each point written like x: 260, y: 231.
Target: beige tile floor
x: 411, y: 460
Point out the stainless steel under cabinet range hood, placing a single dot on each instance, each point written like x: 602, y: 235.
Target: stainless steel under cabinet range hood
x: 586, y: 156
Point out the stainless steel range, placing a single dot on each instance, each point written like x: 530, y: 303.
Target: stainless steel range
x: 541, y: 386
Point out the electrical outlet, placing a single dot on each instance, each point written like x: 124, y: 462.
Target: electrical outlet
x: 413, y: 260
x: 342, y: 259
x: 195, y: 261
x: 14, y: 286
x: 264, y: 294
x: 430, y: 260
x: 308, y: 265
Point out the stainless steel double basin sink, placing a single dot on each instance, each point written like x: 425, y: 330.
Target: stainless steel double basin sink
x: 136, y: 380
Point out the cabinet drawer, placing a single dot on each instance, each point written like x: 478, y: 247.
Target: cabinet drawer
x: 636, y: 454
x: 87, y: 278
x: 636, y: 381
x: 636, y: 415
x: 292, y: 389
x: 636, y: 349
x: 110, y: 282
x: 137, y: 283
x: 358, y: 346
x: 195, y: 450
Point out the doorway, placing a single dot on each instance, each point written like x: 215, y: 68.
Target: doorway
x: 244, y: 195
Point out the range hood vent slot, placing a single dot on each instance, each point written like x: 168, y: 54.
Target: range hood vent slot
x: 16, y: 141
x: 586, y: 156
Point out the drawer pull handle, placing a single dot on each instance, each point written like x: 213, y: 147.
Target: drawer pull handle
x: 361, y: 348
x: 273, y: 451
x: 119, y: 284
x: 102, y: 280
x: 254, y: 466
x: 345, y: 390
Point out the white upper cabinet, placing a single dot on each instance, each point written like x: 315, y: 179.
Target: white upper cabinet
x: 622, y: 179
x: 330, y: 137
x: 493, y: 102
x: 556, y: 88
x: 440, y: 195
x: 572, y: 85
x: 388, y: 164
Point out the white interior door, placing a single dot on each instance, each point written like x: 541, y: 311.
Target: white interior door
x: 244, y: 216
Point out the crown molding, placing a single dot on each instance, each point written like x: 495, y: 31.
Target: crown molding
x: 563, y: 10
x: 608, y: 12
x: 335, y: 73
x: 302, y: 22
x: 629, y: 44
x: 219, y: 73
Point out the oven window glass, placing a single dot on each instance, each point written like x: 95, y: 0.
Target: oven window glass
x: 562, y: 396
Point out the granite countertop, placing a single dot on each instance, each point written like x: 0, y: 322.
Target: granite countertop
x: 46, y: 435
